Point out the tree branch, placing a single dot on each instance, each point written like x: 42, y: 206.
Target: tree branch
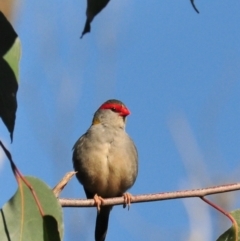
x: 65, y: 202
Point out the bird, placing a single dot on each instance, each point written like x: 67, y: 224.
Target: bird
x: 106, y: 160
x: 93, y: 8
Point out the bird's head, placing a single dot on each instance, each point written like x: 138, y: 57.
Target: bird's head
x: 112, y: 112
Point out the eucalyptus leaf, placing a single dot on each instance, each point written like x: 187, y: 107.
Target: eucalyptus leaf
x: 229, y: 235
x: 10, y: 52
x: 20, y: 219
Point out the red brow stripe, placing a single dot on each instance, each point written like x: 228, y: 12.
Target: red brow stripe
x: 119, y: 108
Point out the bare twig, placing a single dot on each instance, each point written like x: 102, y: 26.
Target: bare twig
x: 59, y: 187
x: 65, y: 202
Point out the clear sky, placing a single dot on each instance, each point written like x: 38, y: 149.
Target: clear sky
x: 179, y: 74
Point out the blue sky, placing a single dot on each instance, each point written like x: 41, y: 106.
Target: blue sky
x: 176, y: 70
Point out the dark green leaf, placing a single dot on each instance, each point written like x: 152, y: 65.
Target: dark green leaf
x: 10, y: 51
x: 7, y: 36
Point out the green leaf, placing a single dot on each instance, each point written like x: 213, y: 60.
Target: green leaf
x: 20, y: 219
x: 229, y: 235
x: 10, y: 52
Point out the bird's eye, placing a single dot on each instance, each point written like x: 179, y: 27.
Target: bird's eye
x: 114, y: 109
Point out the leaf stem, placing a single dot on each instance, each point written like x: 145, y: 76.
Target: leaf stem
x: 18, y: 175
x: 228, y: 215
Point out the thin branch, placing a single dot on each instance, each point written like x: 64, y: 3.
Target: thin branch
x: 65, y: 202
x: 60, y: 186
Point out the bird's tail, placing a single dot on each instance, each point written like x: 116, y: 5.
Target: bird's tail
x: 102, y: 223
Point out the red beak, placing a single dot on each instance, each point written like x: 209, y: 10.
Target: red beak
x: 124, y: 111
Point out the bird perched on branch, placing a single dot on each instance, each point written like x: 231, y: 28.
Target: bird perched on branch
x: 106, y: 160
x: 93, y: 8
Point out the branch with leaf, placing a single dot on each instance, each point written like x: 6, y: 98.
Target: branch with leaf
x: 234, y: 217
x: 35, y: 205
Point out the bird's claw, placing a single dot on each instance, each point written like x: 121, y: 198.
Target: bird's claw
x: 127, y: 199
x: 98, y: 201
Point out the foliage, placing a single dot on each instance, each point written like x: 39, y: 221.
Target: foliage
x: 10, y: 51
x: 20, y: 218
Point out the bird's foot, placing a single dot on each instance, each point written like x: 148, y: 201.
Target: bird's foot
x: 98, y: 201
x: 127, y: 199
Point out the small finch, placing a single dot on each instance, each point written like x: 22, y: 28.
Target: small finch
x: 106, y: 160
